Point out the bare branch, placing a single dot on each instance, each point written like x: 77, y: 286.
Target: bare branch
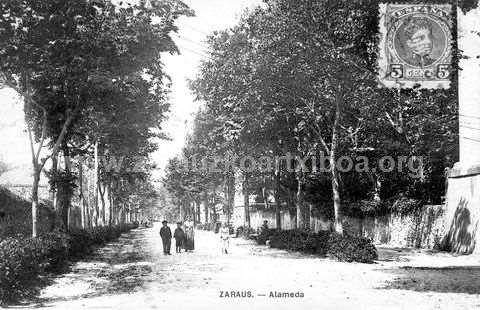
x: 44, y: 128
x: 68, y: 121
x: 318, y: 131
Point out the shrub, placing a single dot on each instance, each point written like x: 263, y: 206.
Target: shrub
x: 207, y: 226
x: 52, y: 249
x: 351, y: 249
x: 244, y: 231
x: 341, y: 247
x: 19, y: 269
x: 81, y: 242
x: 265, y: 235
x: 297, y: 240
x: 24, y: 260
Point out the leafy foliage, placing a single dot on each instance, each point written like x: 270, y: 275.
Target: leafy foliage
x: 351, y: 249
x: 90, y: 74
x: 24, y: 261
x: 300, y: 77
x: 341, y: 247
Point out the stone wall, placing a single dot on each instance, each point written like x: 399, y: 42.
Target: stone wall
x: 423, y: 228
x: 16, y: 215
x: 25, y: 191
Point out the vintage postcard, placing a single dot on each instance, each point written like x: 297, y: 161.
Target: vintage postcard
x: 239, y: 154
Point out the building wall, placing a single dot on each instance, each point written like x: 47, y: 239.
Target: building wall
x: 463, y: 214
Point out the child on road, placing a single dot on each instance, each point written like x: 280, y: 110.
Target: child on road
x: 225, y: 238
x: 179, y: 236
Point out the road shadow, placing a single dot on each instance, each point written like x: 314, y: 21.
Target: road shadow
x: 458, y: 279
x: 117, y: 268
x: 401, y: 254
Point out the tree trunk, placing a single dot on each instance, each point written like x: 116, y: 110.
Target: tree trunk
x: 97, y: 211
x: 299, y: 195
x: 265, y: 192
x: 180, y: 212
x: 214, y: 205
x: 299, y: 202
x: 110, y: 199
x: 36, y: 181
x: 308, y: 218
x: 231, y: 196
x: 80, y: 189
x: 278, y: 218
x: 53, y: 191
x: 246, y: 200
x: 226, y: 200
x: 198, y: 211
x: 333, y: 167
x: 205, y: 205
x: 101, y: 192
x: 194, y: 212
x: 65, y: 191
x: 88, y: 199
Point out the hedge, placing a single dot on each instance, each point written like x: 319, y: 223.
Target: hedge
x: 24, y: 261
x: 341, y: 247
x: 244, y: 231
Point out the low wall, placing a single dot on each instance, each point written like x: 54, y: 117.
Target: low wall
x: 257, y: 218
x: 16, y: 215
x: 423, y: 228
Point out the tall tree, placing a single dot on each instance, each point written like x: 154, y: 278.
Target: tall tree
x: 59, y: 55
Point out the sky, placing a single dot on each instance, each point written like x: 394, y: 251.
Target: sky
x: 210, y: 15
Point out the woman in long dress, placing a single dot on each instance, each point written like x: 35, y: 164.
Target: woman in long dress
x: 189, y: 235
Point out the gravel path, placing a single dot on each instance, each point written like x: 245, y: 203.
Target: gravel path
x: 132, y: 273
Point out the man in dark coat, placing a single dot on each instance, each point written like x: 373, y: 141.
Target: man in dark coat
x: 179, y: 236
x: 166, y: 235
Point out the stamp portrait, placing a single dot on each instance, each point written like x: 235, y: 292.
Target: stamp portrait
x: 415, y: 46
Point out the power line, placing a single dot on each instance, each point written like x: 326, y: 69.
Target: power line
x: 468, y: 127
x: 204, y: 32
x: 471, y: 139
x: 469, y: 116
x: 192, y: 51
x: 191, y: 41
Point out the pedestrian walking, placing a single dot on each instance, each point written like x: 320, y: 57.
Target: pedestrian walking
x: 166, y: 235
x: 225, y: 238
x: 179, y: 236
x: 189, y: 241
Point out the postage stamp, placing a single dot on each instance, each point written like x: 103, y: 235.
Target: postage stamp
x: 415, y: 45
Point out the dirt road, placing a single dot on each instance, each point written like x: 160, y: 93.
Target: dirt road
x: 132, y: 273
